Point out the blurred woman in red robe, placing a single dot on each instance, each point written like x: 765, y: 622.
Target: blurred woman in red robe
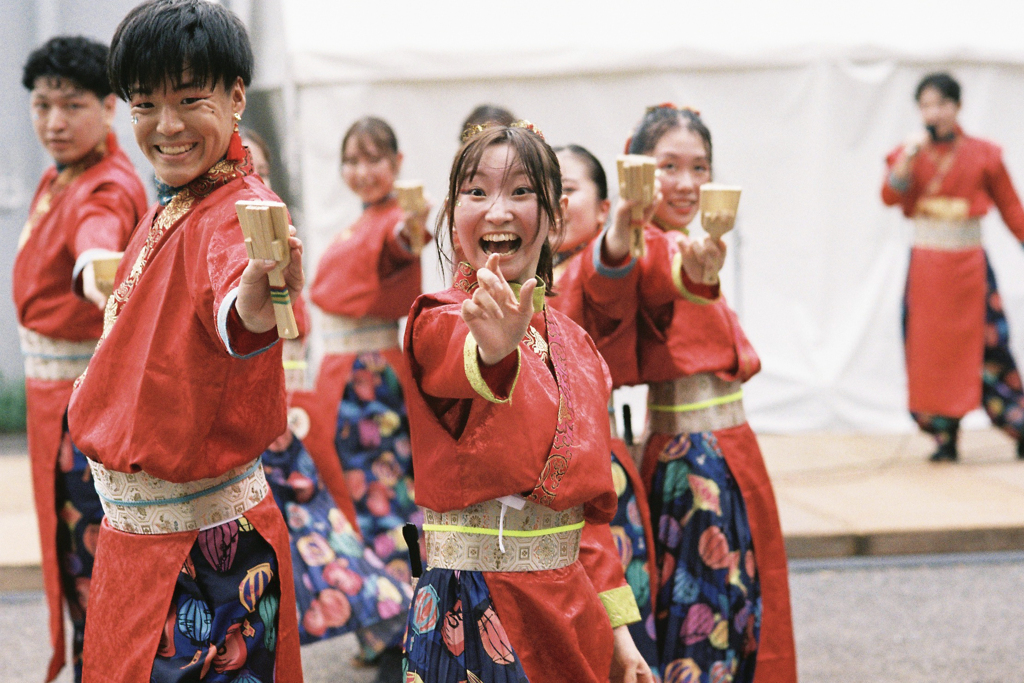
x: 722, y: 610
x: 585, y: 186
x: 955, y: 331
x: 364, y: 283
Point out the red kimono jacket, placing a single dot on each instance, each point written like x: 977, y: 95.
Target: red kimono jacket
x: 521, y: 427
x: 76, y: 213
x: 179, y: 389
x: 945, y: 296
x: 683, y: 328
x: 366, y: 271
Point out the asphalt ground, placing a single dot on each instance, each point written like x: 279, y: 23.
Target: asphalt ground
x: 910, y: 619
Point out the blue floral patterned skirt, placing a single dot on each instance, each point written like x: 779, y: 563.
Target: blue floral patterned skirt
x: 222, y: 621
x: 454, y: 634
x: 631, y: 542
x: 372, y: 442
x: 340, y: 584
x: 80, y: 513
x: 708, y: 611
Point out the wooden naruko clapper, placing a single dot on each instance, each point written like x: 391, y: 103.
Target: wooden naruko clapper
x: 265, y: 227
x: 636, y: 184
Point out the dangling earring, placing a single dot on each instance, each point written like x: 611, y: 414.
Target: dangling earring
x: 236, y: 152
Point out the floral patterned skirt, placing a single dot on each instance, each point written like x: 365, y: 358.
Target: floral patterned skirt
x: 80, y: 513
x: 454, y: 634
x: 341, y: 585
x: 372, y: 442
x: 222, y: 621
x: 631, y: 541
x: 708, y: 608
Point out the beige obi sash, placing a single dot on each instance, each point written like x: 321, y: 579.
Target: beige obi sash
x: 142, y: 504
x: 947, y: 234
x: 357, y: 335
x: 697, y: 403
x: 52, y: 359
x: 495, y: 536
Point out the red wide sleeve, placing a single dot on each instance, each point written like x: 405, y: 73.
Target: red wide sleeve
x: 890, y: 195
x: 367, y: 270
x: 105, y: 220
x: 213, y: 270
x: 451, y: 367
x: 1000, y: 188
x: 662, y: 277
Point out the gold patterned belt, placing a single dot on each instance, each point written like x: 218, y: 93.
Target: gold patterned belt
x: 947, y: 234
x: 495, y: 536
x: 697, y: 403
x: 356, y: 335
x: 293, y: 358
x: 54, y: 359
x: 139, y: 503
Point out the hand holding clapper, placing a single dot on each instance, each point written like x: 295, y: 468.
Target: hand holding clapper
x: 410, y: 199
x: 636, y: 185
x: 265, y: 227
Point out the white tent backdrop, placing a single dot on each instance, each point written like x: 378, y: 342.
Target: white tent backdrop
x: 803, y: 101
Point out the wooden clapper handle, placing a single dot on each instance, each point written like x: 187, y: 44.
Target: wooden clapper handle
x: 410, y: 198
x: 265, y: 227
x: 636, y: 183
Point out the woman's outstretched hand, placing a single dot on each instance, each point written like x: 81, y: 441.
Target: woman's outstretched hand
x: 617, y: 239
x: 495, y: 319
x: 703, y: 260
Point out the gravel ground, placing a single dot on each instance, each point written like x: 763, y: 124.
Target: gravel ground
x: 925, y: 620
x: 950, y: 620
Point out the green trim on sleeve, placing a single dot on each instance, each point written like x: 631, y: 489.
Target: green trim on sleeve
x: 471, y: 361
x: 620, y: 605
x: 677, y: 280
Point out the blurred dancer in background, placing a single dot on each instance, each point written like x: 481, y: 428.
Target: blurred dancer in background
x: 955, y: 331
x: 85, y: 208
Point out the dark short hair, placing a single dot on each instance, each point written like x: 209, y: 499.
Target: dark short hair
x: 488, y: 113
x: 594, y: 169
x: 660, y: 120
x: 160, y: 40
x: 375, y: 131
x: 941, y: 81
x: 74, y: 58
x: 541, y: 167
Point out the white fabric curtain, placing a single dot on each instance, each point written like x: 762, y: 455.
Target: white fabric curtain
x: 817, y: 264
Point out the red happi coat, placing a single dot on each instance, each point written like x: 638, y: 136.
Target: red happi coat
x: 181, y: 390
x: 542, y: 431
x: 366, y: 271
x: 94, y: 204
x: 570, y: 299
x: 683, y: 328
x: 945, y: 296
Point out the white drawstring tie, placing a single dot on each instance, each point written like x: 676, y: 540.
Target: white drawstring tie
x: 514, y: 501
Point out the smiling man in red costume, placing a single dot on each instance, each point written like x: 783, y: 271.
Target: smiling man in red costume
x: 85, y: 207
x: 193, y: 574
x: 957, y: 339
